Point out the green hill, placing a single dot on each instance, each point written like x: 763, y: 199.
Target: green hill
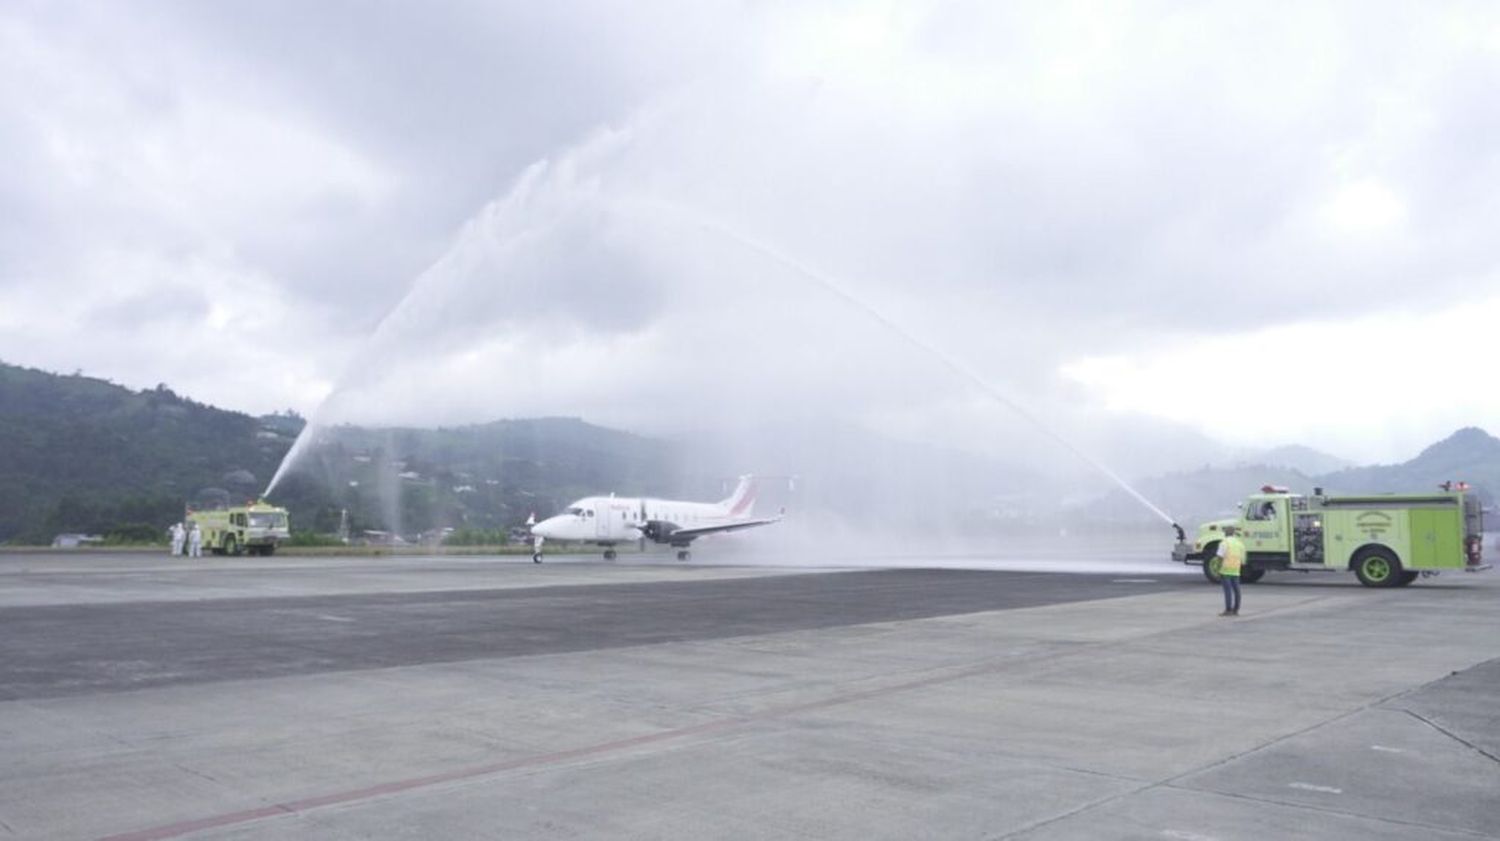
x: 80, y: 454
x: 1470, y: 454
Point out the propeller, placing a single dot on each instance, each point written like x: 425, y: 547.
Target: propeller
x: 657, y: 530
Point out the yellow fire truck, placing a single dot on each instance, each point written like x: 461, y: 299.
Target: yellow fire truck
x: 257, y: 527
x: 1387, y: 540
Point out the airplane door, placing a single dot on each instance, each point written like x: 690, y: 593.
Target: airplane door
x: 601, y: 522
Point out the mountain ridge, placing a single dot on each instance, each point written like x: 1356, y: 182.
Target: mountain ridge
x: 82, y: 454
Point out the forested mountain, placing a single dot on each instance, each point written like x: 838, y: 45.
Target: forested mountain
x: 1304, y: 460
x: 1469, y: 455
x: 82, y: 454
x: 79, y: 454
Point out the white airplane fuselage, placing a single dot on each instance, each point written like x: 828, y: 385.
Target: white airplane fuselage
x: 616, y: 519
x: 609, y: 520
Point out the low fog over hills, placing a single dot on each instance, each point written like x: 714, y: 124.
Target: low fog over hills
x: 81, y: 454
x: 1470, y: 455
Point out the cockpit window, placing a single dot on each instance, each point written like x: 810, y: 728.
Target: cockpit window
x: 576, y: 511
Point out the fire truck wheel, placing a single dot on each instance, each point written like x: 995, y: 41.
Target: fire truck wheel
x: 230, y: 546
x: 1377, y: 567
x: 1250, y: 575
x: 1406, y: 578
x: 1211, y: 561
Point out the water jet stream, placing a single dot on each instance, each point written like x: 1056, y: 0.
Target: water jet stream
x: 688, y: 217
x: 956, y: 366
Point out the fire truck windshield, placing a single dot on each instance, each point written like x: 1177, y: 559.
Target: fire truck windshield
x: 267, y: 520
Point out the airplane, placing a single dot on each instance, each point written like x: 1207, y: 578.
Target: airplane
x: 610, y: 520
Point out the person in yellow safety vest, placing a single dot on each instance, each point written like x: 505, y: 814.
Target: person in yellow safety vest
x: 1231, y: 558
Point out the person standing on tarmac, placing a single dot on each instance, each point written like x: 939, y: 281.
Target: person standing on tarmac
x: 195, y: 542
x: 1231, y: 558
x: 178, y: 534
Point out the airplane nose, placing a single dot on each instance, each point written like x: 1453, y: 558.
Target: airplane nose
x: 546, y: 528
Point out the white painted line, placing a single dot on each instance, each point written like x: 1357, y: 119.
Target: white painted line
x: 335, y: 618
x: 1181, y: 835
x: 1311, y: 787
x: 1133, y: 581
x: 1384, y: 749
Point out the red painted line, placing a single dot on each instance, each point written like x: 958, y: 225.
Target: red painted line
x: 176, y: 830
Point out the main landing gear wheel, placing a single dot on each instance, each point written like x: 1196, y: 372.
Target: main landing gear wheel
x: 684, y: 555
x: 536, y: 557
x: 609, y: 554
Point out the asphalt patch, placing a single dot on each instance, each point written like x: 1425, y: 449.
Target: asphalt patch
x: 64, y: 650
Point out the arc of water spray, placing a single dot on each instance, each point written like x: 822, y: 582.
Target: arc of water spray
x: 387, y: 322
x: 956, y: 366
x: 832, y: 287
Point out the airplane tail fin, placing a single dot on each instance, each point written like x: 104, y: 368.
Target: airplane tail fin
x: 742, y: 501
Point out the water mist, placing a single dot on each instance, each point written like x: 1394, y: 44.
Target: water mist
x: 493, y: 232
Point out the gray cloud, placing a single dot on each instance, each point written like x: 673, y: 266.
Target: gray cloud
x: 426, y: 200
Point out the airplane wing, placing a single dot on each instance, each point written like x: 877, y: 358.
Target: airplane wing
x: 663, y: 532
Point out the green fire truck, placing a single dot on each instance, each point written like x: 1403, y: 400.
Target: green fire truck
x: 1387, y: 540
x: 256, y: 527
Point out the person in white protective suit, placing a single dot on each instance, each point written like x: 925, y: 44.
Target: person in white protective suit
x: 195, y: 542
x: 178, y: 535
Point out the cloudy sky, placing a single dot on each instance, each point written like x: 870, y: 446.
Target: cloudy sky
x: 1263, y: 223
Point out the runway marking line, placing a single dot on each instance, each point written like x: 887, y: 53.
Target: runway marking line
x: 1318, y: 788
x: 292, y: 807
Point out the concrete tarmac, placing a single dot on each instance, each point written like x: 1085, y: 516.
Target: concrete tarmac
x: 145, y: 697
